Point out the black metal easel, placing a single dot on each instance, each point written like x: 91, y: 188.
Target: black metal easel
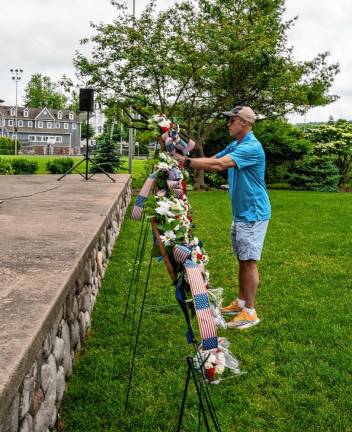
x: 206, y: 407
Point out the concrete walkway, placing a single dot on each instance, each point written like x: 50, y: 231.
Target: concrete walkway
x: 45, y: 228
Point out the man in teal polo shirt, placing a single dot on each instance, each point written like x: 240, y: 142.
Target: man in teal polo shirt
x: 244, y: 159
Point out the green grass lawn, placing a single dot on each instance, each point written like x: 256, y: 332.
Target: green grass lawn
x: 297, y: 361
x: 137, y: 166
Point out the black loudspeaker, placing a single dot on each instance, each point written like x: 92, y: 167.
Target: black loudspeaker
x: 86, y: 99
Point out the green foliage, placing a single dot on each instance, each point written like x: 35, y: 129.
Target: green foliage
x: 283, y: 144
x: 24, y: 166
x: 296, y: 362
x: 106, y: 156
x: 214, y: 179
x: 42, y: 92
x: 84, y: 132
x: 5, y: 166
x: 315, y: 173
x: 59, y: 165
x: 7, y: 146
x: 334, y: 140
x: 196, y: 59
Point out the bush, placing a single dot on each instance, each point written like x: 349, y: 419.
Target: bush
x: 59, y: 165
x: 214, y: 179
x: 5, y: 167
x: 315, y: 174
x: 7, y: 146
x: 283, y: 144
x: 24, y: 166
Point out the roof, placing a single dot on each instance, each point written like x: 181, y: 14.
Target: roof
x: 40, y: 131
x: 5, y: 110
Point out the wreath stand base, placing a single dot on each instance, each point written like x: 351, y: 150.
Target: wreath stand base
x: 206, y: 407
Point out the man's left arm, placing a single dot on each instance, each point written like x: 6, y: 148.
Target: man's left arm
x: 209, y: 164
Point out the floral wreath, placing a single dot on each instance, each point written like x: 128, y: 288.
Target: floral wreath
x: 170, y: 211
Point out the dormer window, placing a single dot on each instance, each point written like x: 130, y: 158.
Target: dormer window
x: 25, y: 113
x: 70, y: 116
x: 13, y: 111
x: 59, y: 115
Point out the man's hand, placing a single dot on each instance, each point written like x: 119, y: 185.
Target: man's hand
x: 181, y: 159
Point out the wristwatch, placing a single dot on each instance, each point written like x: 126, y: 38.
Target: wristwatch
x: 187, y: 163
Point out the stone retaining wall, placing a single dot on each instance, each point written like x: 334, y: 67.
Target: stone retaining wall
x: 35, y: 404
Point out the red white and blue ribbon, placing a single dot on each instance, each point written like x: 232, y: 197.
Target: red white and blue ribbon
x: 198, y: 288
x: 143, y: 195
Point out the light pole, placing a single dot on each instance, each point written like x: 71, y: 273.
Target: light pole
x: 2, y: 119
x: 16, y: 76
x: 130, y: 130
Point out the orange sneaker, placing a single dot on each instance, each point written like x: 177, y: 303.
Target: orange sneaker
x: 243, y: 320
x: 232, y: 309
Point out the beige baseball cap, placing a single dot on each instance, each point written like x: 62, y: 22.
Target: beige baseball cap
x: 245, y: 112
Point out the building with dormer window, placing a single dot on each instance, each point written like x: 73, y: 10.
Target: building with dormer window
x: 41, y: 130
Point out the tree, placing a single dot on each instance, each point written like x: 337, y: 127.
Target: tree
x: 334, y: 140
x: 196, y: 59
x: 315, y: 173
x: 91, y: 130
x: 42, y: 92
x: 283, y: 144
x: 106, y: 155
x: 7, y: 146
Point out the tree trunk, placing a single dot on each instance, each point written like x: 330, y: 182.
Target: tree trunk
x: 198, y: 179
x: 198, y: 174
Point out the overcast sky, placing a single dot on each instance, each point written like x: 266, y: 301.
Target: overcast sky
x: 41, y: 36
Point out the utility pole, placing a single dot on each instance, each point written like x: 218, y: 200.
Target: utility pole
x: 16, y: 76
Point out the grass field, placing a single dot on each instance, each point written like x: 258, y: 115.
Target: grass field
x: 137, y: 166
x: 297, y: 361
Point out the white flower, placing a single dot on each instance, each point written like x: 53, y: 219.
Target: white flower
x: 164, y: 211
x: 185, y: 221
x: 163, y: 166
x: 208, y: 365
x: 168, y: 238
x: 212, y: 359
x: 219, y: 369
x: 177, y: 206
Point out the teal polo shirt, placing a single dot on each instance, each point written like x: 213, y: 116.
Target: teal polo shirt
x: 248, y: 193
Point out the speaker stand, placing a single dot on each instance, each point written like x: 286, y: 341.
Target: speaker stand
x: 86, y: 159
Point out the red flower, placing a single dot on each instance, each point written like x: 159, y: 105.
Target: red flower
x: 210, y: 373
x: 199, y: 256
x: 190, y: 218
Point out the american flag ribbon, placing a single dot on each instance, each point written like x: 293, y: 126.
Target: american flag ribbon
x: 181, y: 253
x: 176, y: 188
x: 142, y: 197
x: 200, y: 298
x: 174, y: 174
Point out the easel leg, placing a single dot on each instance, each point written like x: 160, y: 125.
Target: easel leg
x: 134, y: 265
x: 137, y: 335
x: 203, y: 395
x: 139, y: 266
x: 183, y: 400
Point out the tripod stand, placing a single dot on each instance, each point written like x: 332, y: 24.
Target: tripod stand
x: 86, y: 159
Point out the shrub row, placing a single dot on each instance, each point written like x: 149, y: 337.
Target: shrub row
x: 26, y: 166
x: 18, y: 166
